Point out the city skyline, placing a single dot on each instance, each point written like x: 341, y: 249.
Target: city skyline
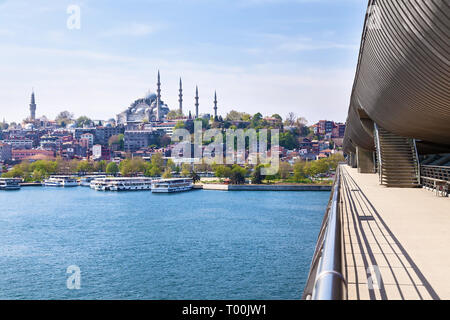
x: 111, y: 60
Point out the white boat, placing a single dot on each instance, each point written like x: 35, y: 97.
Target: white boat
x: 172, y: 185
x: 121, y: 184
x: 60, y: 181
x: 86, y: 180
x: 10, y: 184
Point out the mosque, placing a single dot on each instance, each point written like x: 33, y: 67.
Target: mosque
x: 152, y: 108
x: 148, y: 109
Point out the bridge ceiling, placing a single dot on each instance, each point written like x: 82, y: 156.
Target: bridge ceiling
x: 403, y: 77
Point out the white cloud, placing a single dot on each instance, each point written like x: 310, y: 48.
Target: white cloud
x: 6, y: 33
x: 132, y: 30
x: 299, y: 43
x: 297, y: 46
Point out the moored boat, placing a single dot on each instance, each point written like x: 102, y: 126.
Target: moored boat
x: 172, y: 185
x: 9, y: 184
x: 86, y: 180
x: 121, y: 184
x: 60, y: 181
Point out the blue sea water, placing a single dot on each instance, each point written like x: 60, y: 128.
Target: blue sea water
x: 139, y: 245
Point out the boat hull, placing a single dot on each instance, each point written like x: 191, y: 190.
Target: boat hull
x: 171, y: 190
x: 10, y: 188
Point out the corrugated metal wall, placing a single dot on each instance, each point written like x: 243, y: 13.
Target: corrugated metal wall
x: 403, y: 77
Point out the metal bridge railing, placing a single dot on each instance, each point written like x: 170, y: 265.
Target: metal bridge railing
x: 378, y: 147
x: 417, y: 161
x: 325, y: 279
x: 431, y: 174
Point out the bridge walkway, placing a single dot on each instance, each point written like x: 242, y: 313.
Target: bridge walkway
x: 402, y: 235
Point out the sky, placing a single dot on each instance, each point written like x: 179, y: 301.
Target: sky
x: 268, y: 56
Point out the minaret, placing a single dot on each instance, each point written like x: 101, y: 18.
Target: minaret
x: 180, y: 100
x: 215, y: 105
x: 196, y: 102
x: 158, y: 98
x: 32, y: 107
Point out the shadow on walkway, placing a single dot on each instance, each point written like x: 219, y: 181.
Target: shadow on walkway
x: 376, y: 265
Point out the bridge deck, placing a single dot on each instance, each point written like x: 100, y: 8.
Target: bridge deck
x: 404, y: 233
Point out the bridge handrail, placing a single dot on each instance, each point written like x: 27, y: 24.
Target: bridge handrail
x: 430, y: 173
x: 378, y: 146
x: 417, y: 161
x: 430, y: 166
x: 325, y: 279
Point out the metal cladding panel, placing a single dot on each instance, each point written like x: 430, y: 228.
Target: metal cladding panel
x: 356, y: 133
x: 403, y: 76
x: 348, y: 145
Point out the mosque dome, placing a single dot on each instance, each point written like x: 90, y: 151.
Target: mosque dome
x: 150, y: 95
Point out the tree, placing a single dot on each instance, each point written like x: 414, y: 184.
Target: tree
x: 310, y: 169
x: 290, y: 119
x: 302, y: 128
x: 85, y: 166
x: 100, y: 166
x: 83, y: 121
x: 256, y: 175
x: 133, y: 166
x: 154, y: 171
x: 195, y: 177
x: 117, y: 140
x: 179, y: 125
x: 278, y: 117
x: 167, y: 173
x: 204, y: 167
x: 158, y: 161
x: 238, y: 168
x: 71, y: 166
x: 175, y: 114
x: 222, y: 171
x: 45, y: 167
x: 321, y: 166
x: 237, y: 175
x: 284, y: 170
x: 112, y: 168
x: 125, y: 167
x: 171, y: 165
x: 38, y: 175
x: 15, y: 172
x: 299, y: 171
x: 237, y: 178
x: 35, y: 171
x: 234, y: 115
x: 333, y: 160
x: 288, y: 140
x: 246, y: 117
x: 185, y: 169
x: 64, y: 118
x: 256, y: 120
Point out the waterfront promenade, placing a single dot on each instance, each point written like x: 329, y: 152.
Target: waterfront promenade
x: 260, y: 187
x: 403, y: 232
